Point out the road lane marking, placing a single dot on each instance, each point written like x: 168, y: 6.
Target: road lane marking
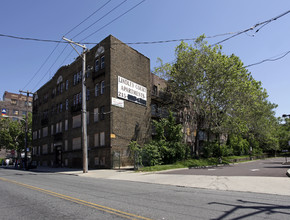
x: 254, y: 170
x: 79, y: 201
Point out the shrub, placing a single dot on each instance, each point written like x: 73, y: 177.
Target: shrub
x: 151, y: 155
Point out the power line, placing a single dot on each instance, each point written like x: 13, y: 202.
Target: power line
x: 87, y: 17
x: 41, y: 66
x: 110, y: 22
x: 269, y: 59
x: 115, y: 19
x: 64, y: 48
x: 100, y: 18
x: 32, y: 39
x: 264, y: 23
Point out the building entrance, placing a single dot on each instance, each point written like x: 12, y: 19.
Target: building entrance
x: 58, y: 156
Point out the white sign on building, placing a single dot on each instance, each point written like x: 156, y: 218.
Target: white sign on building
x: 131, y: 91
x: 118, y: 102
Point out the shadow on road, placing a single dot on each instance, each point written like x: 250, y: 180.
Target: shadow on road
x: 251, y: 209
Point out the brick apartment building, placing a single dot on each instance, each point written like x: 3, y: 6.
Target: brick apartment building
x: 119, y: 92
x: 15, y: 107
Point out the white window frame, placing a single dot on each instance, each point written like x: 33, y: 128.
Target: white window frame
x: 102, y: 87
x: 96, y: 140
x: 96, y: 114
x: 102, y: 139
x: 97, y: 65
x: 103, y: 62
x: 97, y: 89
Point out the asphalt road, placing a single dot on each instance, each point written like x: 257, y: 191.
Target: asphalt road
x: 32, y: 195
x: 271, y: 167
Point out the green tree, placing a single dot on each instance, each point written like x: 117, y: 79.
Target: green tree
x: 218, y: 92
x: 284, y: 133
x: 12, y: 135
x: 169, y: 140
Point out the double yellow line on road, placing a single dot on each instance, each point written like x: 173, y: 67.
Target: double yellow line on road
x: 79, y: 201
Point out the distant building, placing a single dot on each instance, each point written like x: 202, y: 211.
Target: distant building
x: 119, y: 87
x: 15, y: 107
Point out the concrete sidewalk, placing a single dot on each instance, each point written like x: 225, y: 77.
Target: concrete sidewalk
x: 269, y: 185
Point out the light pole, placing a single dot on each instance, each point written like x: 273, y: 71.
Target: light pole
x: 84, y: 104
x: 26, y: 124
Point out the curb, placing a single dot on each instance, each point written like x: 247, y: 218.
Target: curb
x: 210, y: 166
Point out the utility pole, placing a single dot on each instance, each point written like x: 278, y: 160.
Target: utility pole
x: 26, y: 126
x: 84, y: 104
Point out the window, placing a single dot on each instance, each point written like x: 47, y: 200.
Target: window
x: 78, y: 77
x: 102, y: 87
x: 44, y: 131
x: 88, y: 94
x: 154, y: 90
x: 66, y: 162
x: 44, y: 149
x: 96, y: 89
x: 97, y: 143
x: 58, y: 127
x: 75, y: 79
x: 15, y: 112
x: 102, y: 110
x: 96, y: 114
x: 65, y: 145
x: 34, y: 135
x: 76, y: 143
x: 60, y: 107
x: 97, y: 65
x: 88, y: 117
x: 34, y: 150
x: 13, y: 101
x: 102, y: 161
x: 24, y: 113
x: 97, y: 162
x: 66, y: 104
x: 51, y: 129
x: 102, y: 139
x: 53, y: 92
x: 66, y: 125
x: 66, y: 84
x: 102, y: 62
x: 77, y: 99
x: 77, y: 121
x: 61, y: 87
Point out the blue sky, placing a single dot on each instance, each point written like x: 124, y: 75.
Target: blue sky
x: 152, y: 20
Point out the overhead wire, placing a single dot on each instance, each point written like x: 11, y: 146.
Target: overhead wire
x: 68, y: 32
x: 110, y: 21
x: 264, y: 23
x: 119, y: 5
x: 88, y: 17
x: 58, y: 42
x: 91, y: 26
x: 126, y: 12
x: 269, y: 60
x: 234, y: 34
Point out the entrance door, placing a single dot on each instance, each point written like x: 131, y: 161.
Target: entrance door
x: 58, y: 156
